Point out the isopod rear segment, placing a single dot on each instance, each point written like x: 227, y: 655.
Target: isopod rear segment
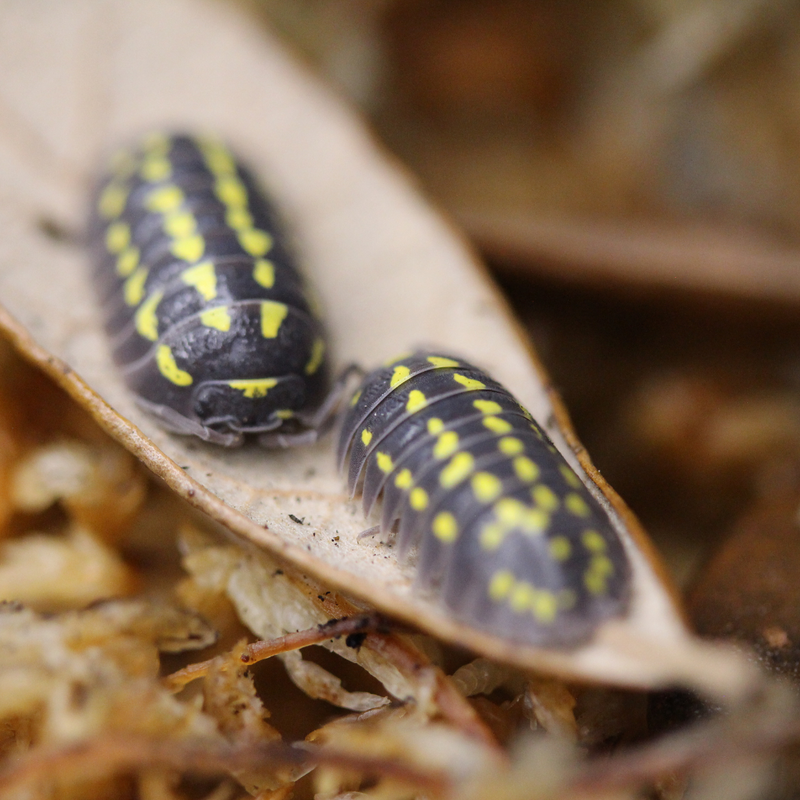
x: 209, y: 318
x: 505, y: 533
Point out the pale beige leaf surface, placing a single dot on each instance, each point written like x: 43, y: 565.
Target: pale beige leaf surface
x: 81, y: 77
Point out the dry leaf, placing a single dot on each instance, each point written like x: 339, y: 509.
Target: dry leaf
x: 83, y: 77
x: 57, y: 572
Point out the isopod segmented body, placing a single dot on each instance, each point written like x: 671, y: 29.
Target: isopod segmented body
x: 208, y: 316
x: 507, y: 535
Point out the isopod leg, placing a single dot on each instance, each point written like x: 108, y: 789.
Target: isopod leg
x: 317, y: 423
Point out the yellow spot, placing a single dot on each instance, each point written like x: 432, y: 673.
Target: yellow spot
x: 459, y: 467
x: 145, y: 318
x: 399, y: 375
x: 118, y: 237
x: 593, y: 541
x: 500, y: 585
x: 595, y: 578
x: 497, y: 425
x: 272, y: 316
x: 355, y: 398
x: 602, y: 565
x: 127, y: 261
x: 440, y: 361
x: 112, y: 200
x: 468, y: 383
x: 203, y: 278
x: 446, y: 445
x: 596, y: 584
x: 492, y: 535
x: 133, y: 288
x: 560, y: 548
x: 526, y: 470
x: 514, y: 514
x: 525, y: 413
x: 418, y: 499
x: 445, y: 527
x: 164, y: 199
x: 569, y: 476
x: 403, y: 479
x: 317, y: 354
x: 218, y: 159
x: 487, y: 406
x: 521, y: 597
x: 510, y: 446
x: 255, y: 241
x: 254, y: 388
x: 264, y: 273
x: 366, y: 436
x: 435, y: 426
x: 416, y: 401
x: 239, y: 219
x: 486, y: 487
x: 576, y: 505
x: 189, y: 249
x: 169, y: 369
x: 180, y: 224
x: 545, y: 498
x: 155, y: 168
x: 284, y: 413
x: 385, y: 463
x: 231, y: 191
x: 509, y: 511
x: 535, y: 521
x: 545, y: 606
x: 218, y: 318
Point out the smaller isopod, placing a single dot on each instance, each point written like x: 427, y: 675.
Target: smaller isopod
x: 505, y: 533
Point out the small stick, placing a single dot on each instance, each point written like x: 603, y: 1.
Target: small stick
x: 114, y: 753
x: 258, y: 651
x: 405, y: 657
x: 453, y: 706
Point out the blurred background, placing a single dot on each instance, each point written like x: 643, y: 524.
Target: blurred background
x: 628, y: 169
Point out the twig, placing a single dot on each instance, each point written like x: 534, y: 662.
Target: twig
x: 111, y: 754
x: 258, y: 651
x: 453, y: 706
x: 703, y: 260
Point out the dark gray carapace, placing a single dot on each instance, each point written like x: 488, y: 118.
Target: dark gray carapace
x: 506, y: 533
x: 208, y: 316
